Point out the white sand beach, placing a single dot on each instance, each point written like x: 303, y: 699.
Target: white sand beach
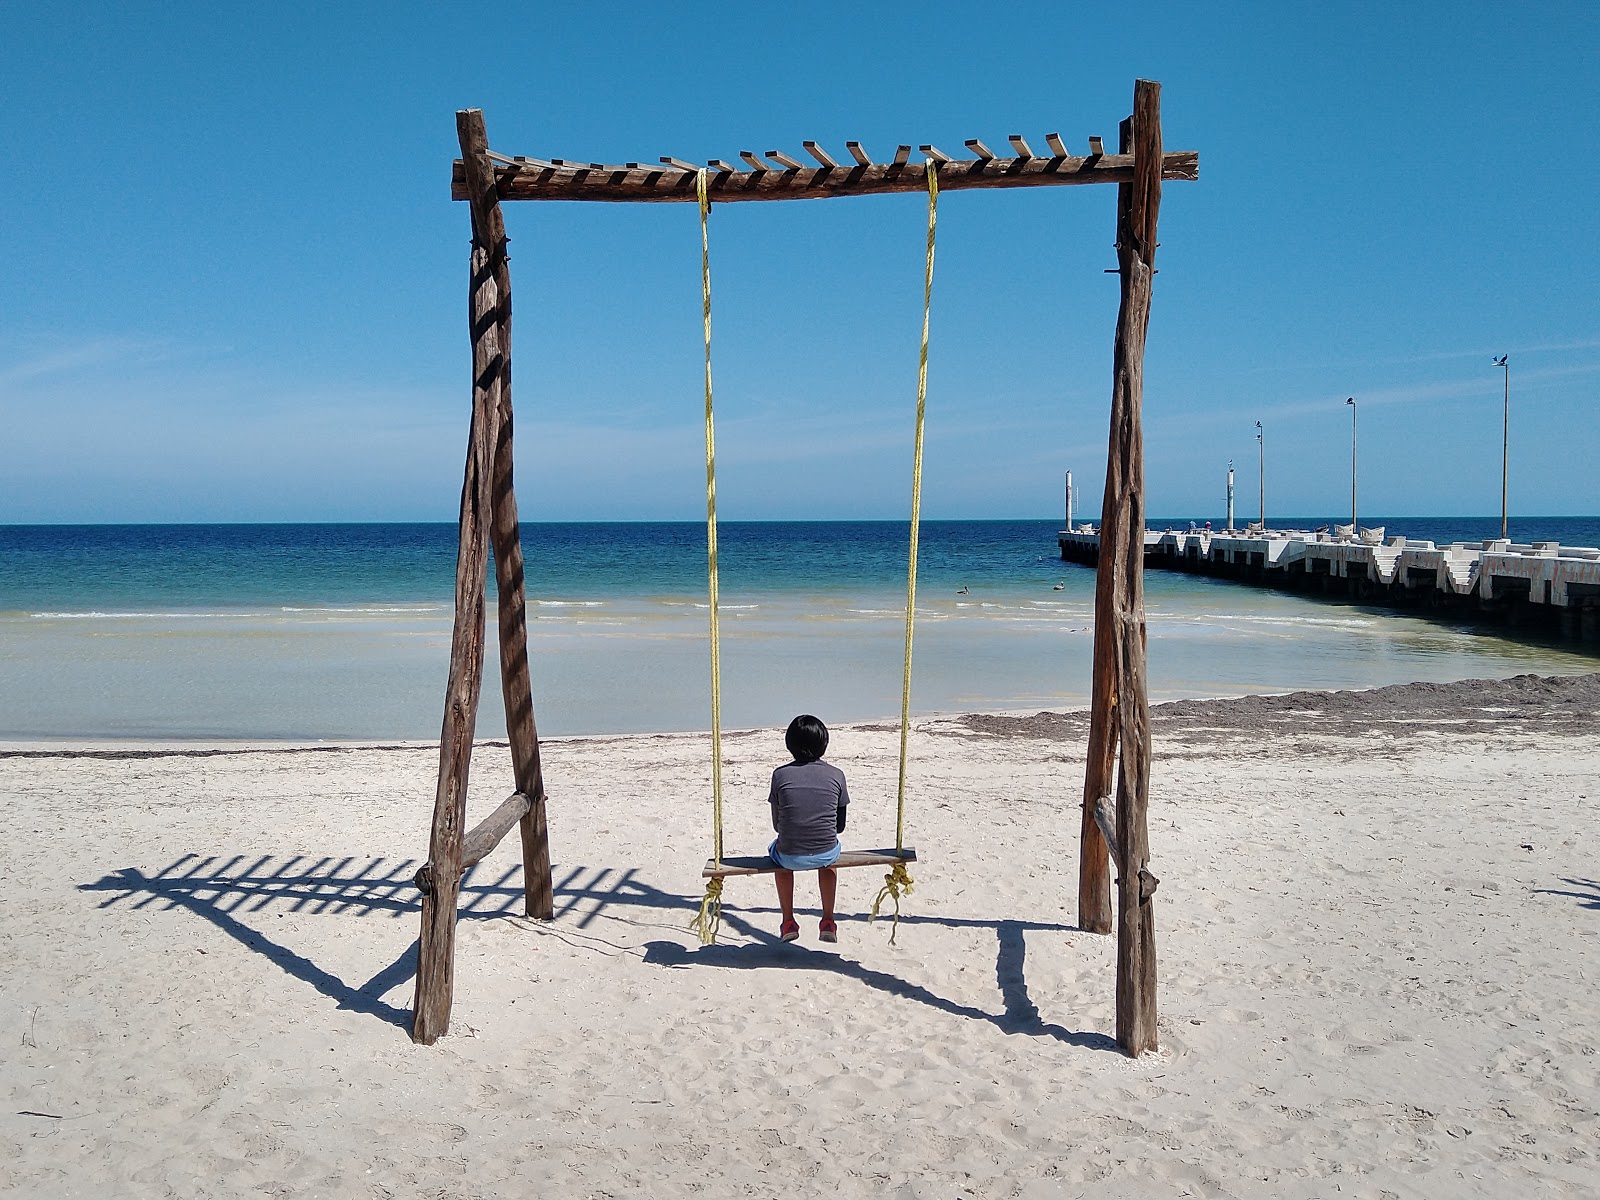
x: 1376, y: 929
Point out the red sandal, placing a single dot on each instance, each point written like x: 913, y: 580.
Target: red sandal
x: 790, y: 931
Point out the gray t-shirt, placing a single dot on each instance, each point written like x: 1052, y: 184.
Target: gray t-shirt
x: 808, y: 802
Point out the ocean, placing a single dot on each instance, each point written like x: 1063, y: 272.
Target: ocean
x: 313, y: 632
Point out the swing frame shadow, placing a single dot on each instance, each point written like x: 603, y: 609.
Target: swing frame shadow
x: 223, y: 890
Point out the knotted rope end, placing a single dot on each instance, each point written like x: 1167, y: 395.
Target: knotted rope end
x: 896, y: 883
x: 709, y: 920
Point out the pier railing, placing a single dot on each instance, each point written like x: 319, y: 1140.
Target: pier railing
x: 1538, y: 583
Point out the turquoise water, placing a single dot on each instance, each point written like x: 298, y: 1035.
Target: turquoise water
x: 342, y: 631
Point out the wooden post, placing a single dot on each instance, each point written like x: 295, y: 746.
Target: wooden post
x: 436, y: 945
x: 515, y: 688
x: 1122, y: 559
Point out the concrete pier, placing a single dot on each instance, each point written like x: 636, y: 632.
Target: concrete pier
x: 1540, y: 585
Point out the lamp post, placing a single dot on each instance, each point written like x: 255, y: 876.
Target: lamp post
x: 1505, y: 441
x: 1351, y: 401
x: 1261, y: 471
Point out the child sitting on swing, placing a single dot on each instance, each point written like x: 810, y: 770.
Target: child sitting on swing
x: 808, y: 799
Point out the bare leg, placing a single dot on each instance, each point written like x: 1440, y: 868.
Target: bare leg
x: 785, y: 882
x: 828, y: 885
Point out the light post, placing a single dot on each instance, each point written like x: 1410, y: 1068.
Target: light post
x: 1261, y: 471
x: 1351, y: 401
x: 1505, y: 441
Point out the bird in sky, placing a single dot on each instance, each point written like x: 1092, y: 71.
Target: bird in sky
x: 1501, y: 361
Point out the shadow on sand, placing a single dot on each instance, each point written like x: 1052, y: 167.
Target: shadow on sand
x: 227, y: 891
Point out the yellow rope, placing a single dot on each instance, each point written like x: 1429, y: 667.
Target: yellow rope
x: 898, y: 881
x: 709, y: 919
x: 711, y: 906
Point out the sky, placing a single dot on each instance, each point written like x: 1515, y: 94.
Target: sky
x: 233, y: 283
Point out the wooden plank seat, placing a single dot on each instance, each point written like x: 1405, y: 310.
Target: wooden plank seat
x: 760, y: 864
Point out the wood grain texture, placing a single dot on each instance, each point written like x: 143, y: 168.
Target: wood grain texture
x: 1138, y: 205
x: 436, y: 944
x: 516, y: 687
x: 674, y: 181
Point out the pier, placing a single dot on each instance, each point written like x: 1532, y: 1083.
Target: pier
x: 1538, y: 585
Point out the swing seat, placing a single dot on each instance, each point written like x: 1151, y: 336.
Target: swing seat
x: 760, y: 864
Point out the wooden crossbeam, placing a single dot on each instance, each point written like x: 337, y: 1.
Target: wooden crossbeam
x: 558, y: 180
x: 760, y: 864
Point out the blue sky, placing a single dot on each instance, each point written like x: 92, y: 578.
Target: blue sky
x: 233, y: 283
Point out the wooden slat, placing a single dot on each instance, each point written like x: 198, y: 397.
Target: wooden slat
x: 1057, y: 146
x: 936, y: 154
x: 778, y: 156
x: 1096, y: 147
x: 676, y: 184
x: 756, y: 164
x: 1020, y: 145
x: 724, y: 167
x: 760, y: 864
x: 821, y: 155
x: 856, y: 152
x: 901, y: 154
x: 983, y: 152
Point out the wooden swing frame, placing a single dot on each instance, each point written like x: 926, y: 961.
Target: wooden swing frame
x: 1119, y: 733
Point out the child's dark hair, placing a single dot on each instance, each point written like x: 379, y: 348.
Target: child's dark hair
x: 807, y: 738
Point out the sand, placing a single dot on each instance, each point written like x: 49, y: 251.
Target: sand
x: 1376, y: 928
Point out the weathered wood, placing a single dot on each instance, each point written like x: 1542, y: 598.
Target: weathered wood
x: 863, y: 159
x: 516, y: 688
x: 936, y: 154
x: 436, y: 943
x: 725, y: 168
x: 1138, y: 205
x: 481, y: 839
x: 756, y: 164
x: 675, y: 182
x: 1096, y: 147
x: 1020, y: 145
x: 760, y: 864
x: 983, y: 152
x: 681, y: 164
x: 487, y: 833
x: 1105, y: 819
